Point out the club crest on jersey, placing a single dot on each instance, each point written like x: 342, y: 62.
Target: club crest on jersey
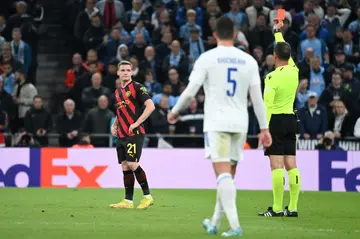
x: 143, y: 90
x: 128, y: 93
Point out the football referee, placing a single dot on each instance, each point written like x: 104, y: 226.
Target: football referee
x: 279, y: 96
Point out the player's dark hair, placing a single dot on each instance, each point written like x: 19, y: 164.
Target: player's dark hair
x: 225, y: 28
x: 336, y: 73
x: 283, y: 51
x: 124, y: 63
x: 7, y: 63
x: 310, y: 25
x: 92, y: 63
x: 37, y: 97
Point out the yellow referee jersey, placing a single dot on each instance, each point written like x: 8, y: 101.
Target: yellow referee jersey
x: 280, y: 87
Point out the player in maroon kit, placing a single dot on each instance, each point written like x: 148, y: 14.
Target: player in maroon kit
x: 129, y: 128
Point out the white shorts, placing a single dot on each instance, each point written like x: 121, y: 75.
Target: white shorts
x: 224, y: 147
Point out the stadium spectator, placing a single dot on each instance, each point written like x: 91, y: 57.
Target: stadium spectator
x: 17, y: 20
x: 20, y: 50
x: 340, y: 121
x: 4, y: 123
x: 150, y: 63
x: 167, y: 91
x: 138, y: 74
x: 6, y: 102
x: 111, y: 11
x: 191, y: 122
x: 91, y: 94
x: 258, y: 54
x: 354, y: 26
x: 38, y: 121
x: 75, y: 72
x: 267, y: 67
x: 94, y: 35
x: 136, y: 13
x: 279, y: 4
x: 357, y: 128
x: 138, y: 48
x: 338, y: 64
x: 334, y: 92
x: 8, y: 78
x: 2, y: 24
x: 23, y: 96
x: 8, y: 57
x: 238, y: 17
x: 153, y: 87
x: 109, y: 79
x: 184, y: 33
x: 82, y: 23
x: 349, y: 47
x: 163, y: 49
x: 352, y: 89
x: 319, y: 32
x: 300, y: 18
x: 84, y: 142
x: 165, y: 26
x: 212, y: 11
x: 317, y: 78
x: 254, y: 11
x: 68, y: 124
x: 319, y: 46
x: 92, y: 56
x: 210, y: 41
x: 81, y: 83
x: 253, y: 128
x: 313, y: 119
x: 97, y: 121
x: 108, y: 49
x: 25, y: 140
x: 176, y: 59
x: 302, y: 93
x: 140, y: 29
x: 194, y: 46
x: 155, y: 16
x: 158, y: 119
x: 174, y: 81
x: 328, y: 142
x: 334, y: 19
x: 122, y: 53
x: 181, y: 14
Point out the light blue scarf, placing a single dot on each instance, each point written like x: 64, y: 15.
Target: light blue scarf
x: 20, y: 54
x: 196, y: 49
x: 175, y: 60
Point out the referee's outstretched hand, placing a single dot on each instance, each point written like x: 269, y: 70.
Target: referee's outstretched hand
x: 265, y: 138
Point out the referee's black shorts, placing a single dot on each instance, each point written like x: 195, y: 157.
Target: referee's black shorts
x: 283, y: 129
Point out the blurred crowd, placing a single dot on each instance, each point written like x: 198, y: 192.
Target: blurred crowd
x: 163, y: 38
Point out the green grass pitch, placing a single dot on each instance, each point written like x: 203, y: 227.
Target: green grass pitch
x: 177, y: 214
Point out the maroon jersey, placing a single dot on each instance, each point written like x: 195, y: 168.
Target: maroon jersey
x: 129, y: 107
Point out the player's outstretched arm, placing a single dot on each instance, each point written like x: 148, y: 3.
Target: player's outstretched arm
x: 279, y: 38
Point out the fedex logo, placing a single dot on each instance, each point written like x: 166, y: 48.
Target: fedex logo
x: 52, y: 168
x: 347, y: 174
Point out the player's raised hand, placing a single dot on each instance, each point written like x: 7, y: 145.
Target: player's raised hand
x: 172, y: 118
x: 278, y: 24
x: 265, y: 138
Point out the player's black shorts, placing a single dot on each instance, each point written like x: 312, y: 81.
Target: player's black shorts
x: 283, y: 129
x: 130, y: 148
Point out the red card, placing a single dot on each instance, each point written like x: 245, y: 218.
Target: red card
x: 281, y: 14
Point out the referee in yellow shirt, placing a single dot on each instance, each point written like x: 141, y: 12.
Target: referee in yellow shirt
x: 279, y: 96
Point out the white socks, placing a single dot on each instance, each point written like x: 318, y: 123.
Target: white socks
x: 218, y: 213
x: 226, y: 191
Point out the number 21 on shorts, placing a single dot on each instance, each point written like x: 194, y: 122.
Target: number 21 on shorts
x: 231, y: 81
x: 131, y: 149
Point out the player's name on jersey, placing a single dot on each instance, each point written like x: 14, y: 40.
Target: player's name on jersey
x: 347, y: 145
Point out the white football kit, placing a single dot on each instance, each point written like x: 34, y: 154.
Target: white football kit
x: 227, y: 74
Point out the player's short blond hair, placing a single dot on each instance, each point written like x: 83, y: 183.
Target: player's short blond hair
x: 124, y: 63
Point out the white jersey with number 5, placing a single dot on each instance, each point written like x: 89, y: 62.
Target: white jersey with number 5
x: 226, y: 74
